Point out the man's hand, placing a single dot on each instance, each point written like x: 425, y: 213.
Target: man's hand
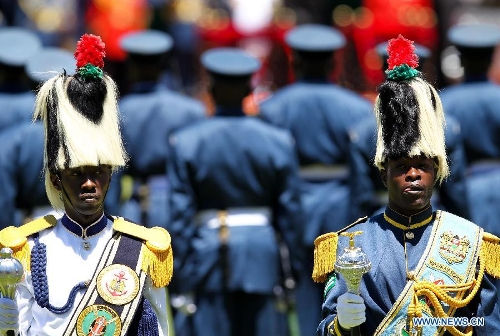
x: 9, y: 315
x: 350, y: 310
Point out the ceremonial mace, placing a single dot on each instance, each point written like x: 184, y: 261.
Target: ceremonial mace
x: 11, y: 272
x: 352, y: 264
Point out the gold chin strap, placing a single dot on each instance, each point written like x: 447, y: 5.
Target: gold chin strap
x: 436, y: 293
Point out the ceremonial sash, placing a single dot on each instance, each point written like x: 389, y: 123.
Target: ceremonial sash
x: 449, y: 259
x: 114, y: 293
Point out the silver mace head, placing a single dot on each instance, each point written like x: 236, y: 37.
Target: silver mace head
x: 352, y: 263
x: 11, y: 272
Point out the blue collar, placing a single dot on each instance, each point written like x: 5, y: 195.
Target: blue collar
x: 82, y: 232
x: 422, y: 218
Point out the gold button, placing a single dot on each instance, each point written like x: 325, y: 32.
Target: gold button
x: 410, y: 235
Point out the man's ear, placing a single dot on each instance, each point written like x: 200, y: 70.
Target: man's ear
x: 383, y: 176
x: 56, y: 181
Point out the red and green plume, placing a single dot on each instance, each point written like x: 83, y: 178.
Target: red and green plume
x: 89, y: 54
x: 402, y: 60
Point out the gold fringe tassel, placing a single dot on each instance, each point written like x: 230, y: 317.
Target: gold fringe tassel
x: 491, y: 249
x: 325, y: 254
x: 159, y: 265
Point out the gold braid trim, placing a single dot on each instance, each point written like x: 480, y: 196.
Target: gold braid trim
x: 17, y: 237
x: 325, y: 253
x: 491, y: 248
x: 435, y: 293
x: 157, y: 256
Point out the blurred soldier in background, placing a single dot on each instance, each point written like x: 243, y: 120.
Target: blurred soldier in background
x: 21, y: 153
x: 235, y: 200
x: 369, y: 195
x: 475, y: 104
x: 150, y: 112
x: 16, y: 99
x: 319, y: 114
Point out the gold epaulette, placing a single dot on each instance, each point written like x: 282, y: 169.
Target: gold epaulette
x: 157, y: 257
x: 325, y: 252
x: 16, y: 237
x: 490, y: 249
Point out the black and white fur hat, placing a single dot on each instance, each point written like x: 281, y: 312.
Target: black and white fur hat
x: 410, y: 117
x: 80, y: 115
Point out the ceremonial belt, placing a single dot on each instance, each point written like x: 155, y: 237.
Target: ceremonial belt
x: 114, y: 292
x: 321, y: 171
x: 449, y: 259
x: 237, y: 216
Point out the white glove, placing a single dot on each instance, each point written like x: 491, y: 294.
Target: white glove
x: 350, y: 310
x: 9, y: 314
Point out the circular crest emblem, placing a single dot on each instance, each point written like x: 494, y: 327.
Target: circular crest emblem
x: 98, y: 320
x: 118, y: 284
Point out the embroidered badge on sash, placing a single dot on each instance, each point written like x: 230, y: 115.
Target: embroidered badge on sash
x: 453, y: 248
x: 98, y: 320
x: 118, y: 284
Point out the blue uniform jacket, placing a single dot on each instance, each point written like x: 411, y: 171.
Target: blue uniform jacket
x: 17, y: 107
x: 21, y: 176
x: 227, y: 162
x: 150, y: 114
x: 381, y: 286
x: 366, y: 184
x: 475, y: 106
x: 319, y: 115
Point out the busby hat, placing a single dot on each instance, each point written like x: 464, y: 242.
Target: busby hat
x: 410, y: 117
x: 80, y: 116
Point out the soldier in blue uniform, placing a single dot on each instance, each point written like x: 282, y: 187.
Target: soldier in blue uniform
x: 104, y: 274
x: 369, y: 195
x: 16, y: 98
x: 234, y: 197
x: 423, y: 262
x: 21, y: 161
x: 319, y: 115
x: 150, y: 112
x: 474, y: 103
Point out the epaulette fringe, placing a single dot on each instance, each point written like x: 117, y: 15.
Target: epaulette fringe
x: 16, y: 237
x: 491, y: 252
x: 157, y: 256
x: 325, y: 253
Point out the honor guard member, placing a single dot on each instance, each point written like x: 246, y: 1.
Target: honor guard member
x: 474, y: 103
x: 425, y: 263
x: 234, y: 198
x: 319, y: 115
x: 86, y: 273
x: 16, y: 98
x: 368, y: 193
x: 21, y: 153
x: 150, y: 112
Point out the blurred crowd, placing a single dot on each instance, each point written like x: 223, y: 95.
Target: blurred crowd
x: 165, y: 184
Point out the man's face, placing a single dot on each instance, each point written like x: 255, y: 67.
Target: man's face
x: 84, y: 190
x: 409, y: 182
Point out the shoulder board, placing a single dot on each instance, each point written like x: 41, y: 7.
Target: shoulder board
x: 325, y: 252
x: 15, y: 237
x: 490, y: 250
x: 157, y: 257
